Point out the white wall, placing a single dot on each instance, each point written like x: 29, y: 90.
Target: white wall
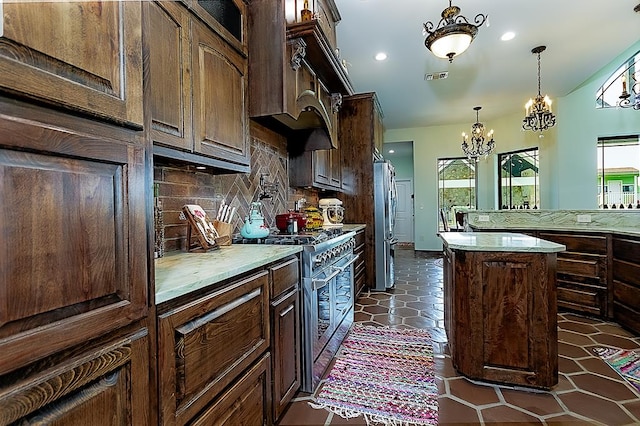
x: 568, y: 169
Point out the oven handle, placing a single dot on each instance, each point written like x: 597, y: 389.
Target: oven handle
x: 323, y: 282
x: 349, y: 263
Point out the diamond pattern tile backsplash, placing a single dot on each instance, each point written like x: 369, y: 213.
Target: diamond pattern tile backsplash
x: 178, y: 185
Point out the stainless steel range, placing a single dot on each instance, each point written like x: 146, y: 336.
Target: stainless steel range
x: 327, y: 303
x: 327, y: 296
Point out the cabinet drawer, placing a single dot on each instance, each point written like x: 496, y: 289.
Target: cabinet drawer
x: 359, y: 239
x: 97, y: 384
x: 582, y: 297
x: 284, y: 277
x: 626, y: 294
x: 583, y: 266
x: 627, y: 272
x: 205, y: 344
x: 627, y: 317
x: 245, y: 403
x: 595, y: 244
x: 626, y: 249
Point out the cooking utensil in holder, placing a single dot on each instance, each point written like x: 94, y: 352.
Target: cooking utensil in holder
x: 200, y: 225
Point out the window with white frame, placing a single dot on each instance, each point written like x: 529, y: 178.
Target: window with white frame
x: 457, y: 189
x: 618, y: 172
x: 518, y: 179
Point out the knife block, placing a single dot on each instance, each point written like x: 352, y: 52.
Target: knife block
x: 224, y: 232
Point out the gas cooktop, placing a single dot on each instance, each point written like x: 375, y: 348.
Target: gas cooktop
x: 301, y: 238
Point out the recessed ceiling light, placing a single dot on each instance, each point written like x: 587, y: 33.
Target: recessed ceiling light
x: 509, y: 35
x: 391, y: 151
x: 381, y: 56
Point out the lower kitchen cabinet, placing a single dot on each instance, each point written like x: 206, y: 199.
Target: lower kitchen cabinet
x: 359, y: 276
x: 286, y: 326
x: 582, y: 272
x: 206, y: 344
x: 230, y: 353
x: 626, y: 281
x: 96, y: 383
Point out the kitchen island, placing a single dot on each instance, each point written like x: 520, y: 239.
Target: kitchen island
x: 500, y: 307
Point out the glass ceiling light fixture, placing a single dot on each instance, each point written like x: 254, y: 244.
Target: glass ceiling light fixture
x: 538, y: 115
x: 453, y: 35
x: 478, y: 148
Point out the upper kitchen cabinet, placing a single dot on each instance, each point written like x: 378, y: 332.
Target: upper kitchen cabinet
x: 197, y: 82
x: 79, y: 56
x: 296, y: 78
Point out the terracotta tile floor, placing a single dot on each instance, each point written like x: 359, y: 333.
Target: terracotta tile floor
x: 588, y: 392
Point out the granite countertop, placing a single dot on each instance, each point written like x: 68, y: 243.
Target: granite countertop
x: 498, y: 241
x: 355, y: 227
x: 180, y: 273
x: 624, y: 222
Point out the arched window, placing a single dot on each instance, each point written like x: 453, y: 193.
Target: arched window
x: 622, y: 88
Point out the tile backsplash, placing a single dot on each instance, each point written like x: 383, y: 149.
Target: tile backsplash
x: 178, y: 185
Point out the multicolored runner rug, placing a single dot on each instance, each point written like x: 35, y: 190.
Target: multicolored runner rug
x: 624, y: 362
x: 383, y: 374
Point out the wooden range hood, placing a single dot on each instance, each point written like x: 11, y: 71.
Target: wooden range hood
x: 296, y: 81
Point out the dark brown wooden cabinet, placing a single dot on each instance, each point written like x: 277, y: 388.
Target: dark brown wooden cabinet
x: 626, y: 281
x: 80, y: 56
x: 73, y: 220
x: 359, y: 271
x: 232, y: 350
x: 197, y: 88
x: 361, y: 132
x: 501, y: 317
x: 296, y: 83
x: 582, y: 271
x: 286, y: 326
x: 206, y: 343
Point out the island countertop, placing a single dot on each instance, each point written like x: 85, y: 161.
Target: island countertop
x: 498, y: 241
x: 179, y: 273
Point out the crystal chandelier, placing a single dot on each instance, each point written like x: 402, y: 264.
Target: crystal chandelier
x: 478, y: 147
x: 453, y: 35
x: 538, y: 115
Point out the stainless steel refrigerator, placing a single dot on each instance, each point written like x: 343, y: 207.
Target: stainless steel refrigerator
x: 385, y: 203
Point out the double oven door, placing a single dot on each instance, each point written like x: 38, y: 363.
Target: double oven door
x: 328, y: 299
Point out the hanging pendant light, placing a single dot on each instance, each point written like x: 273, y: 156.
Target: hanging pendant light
x: 538, y: 116
x: 477, y: 148
x: 453, y: 35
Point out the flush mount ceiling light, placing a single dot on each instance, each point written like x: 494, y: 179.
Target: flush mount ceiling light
x: 454, y: 33
x: 538, y: 115
x: 478, y: 148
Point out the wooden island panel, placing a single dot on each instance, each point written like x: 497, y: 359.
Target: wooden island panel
x: 501, y: 315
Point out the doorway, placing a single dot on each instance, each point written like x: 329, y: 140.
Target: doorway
x: 404, y: 215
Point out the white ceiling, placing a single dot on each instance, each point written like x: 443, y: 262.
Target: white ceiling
x: 581, y: 37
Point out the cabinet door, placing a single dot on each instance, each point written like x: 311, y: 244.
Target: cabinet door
x: 626, y: 282
x: 103, y: 385
x: 203, y: 346
x: 73, y: 223
x: 286, y: 350
x: 81, y: 55
x: 219, y: 98
x: 167, y: 37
